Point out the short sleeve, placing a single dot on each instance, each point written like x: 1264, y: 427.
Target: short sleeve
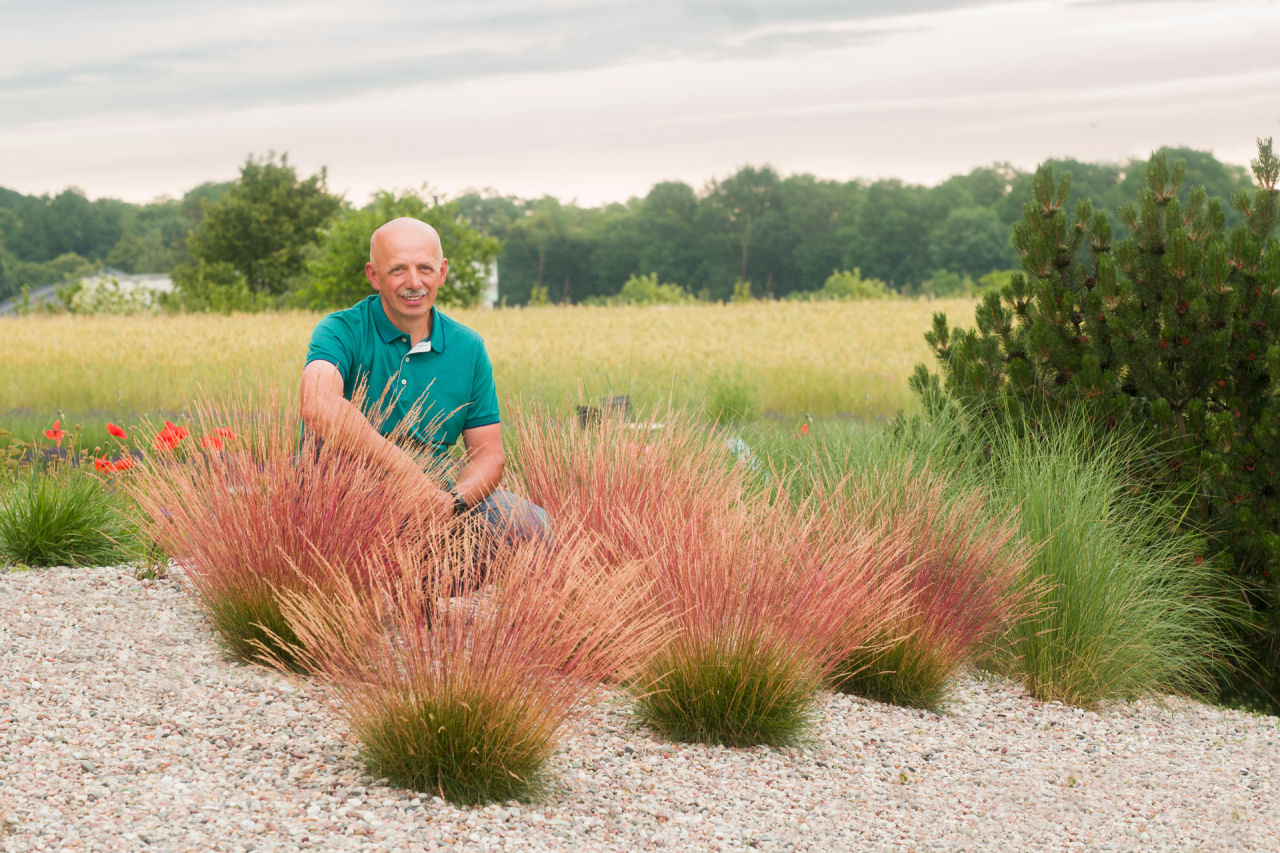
x: 331, y: 342
x: 484, y: 396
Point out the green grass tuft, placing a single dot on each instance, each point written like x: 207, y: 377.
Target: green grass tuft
x: 468, y: 749
x: 910, y: 672
x: 728, y: 694
x: 63, y: 518
x: 1130, y: 613
x: 250, y: 622
x: 732, y: 399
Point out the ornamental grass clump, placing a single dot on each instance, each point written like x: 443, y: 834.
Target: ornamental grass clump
x: 766, y: 596
x: 963, y: 569
x: 64, y: 517
x: 463, y: 695
x: 252, y: 512
x: 1131, y: 611
x: 767, y: 600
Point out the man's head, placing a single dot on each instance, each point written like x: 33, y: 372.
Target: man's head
x: 407, y: 266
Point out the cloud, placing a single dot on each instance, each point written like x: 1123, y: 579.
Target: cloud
x: 92, y: 58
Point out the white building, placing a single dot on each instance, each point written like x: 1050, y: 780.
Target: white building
x: 113, y: 292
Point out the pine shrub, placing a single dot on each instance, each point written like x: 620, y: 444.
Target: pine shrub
x: 1171, y: 333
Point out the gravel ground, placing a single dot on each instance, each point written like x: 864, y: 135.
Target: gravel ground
x: 122, y: 725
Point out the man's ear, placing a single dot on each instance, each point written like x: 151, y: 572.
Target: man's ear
x: 444, y: 269
x: 371, y: 274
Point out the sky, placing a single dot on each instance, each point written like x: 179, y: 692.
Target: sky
x: 597, y: 100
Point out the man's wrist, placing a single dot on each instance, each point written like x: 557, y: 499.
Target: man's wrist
x: 460, y: 504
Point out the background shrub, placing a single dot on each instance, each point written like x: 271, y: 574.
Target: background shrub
x: 647, y: 290
x: 1170, y: 333
x: 846, y: 284
x: 731, y: 398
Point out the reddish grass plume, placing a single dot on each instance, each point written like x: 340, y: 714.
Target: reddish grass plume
x: 462, y: 696
x: 766, y: 598
x: 258, y: 512
x: 964, y: 570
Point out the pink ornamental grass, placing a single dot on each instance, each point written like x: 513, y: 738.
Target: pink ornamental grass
x: 767, y: 600
x: 463, y: 696
x: 597, y: 475
x: 964, y: 571
x: 263, y: 513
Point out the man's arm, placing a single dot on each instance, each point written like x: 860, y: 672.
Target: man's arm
x: 485, y: 462
x: 335, y: 419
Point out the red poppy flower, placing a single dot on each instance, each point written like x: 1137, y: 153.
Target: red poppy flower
x: 211, y: 441
x: 225, y: 432
x: 102, y: 463
x: 123, y: 465
x: 804, y: 429
x: 169, y: 437
x: 117, y: 431
x: 56, y: 433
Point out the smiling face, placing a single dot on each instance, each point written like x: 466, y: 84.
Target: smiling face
x: 407, y: 266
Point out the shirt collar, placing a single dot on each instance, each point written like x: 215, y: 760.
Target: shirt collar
x: 388, y: 332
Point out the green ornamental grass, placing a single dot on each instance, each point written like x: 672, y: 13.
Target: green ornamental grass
x: 63, y: 517
x: 1130, y: 611
x: 469, y: 749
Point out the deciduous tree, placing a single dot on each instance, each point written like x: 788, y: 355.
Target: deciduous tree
x: 264, y: 223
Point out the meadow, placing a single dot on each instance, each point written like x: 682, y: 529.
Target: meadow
x: 782, y: 359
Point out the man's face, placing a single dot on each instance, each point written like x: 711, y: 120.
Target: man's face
x: 407, y: 269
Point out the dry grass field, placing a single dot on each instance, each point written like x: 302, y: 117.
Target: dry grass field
x: 824, y: 359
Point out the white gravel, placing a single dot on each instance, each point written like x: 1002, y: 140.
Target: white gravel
x: 122, y: 725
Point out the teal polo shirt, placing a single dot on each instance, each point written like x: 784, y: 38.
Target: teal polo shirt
x: 452, y: 376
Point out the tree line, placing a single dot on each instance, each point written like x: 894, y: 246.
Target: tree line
x: 274, y: 238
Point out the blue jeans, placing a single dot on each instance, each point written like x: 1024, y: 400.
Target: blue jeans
x: 516, y: 518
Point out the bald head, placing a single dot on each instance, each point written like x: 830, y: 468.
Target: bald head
x: 407, y: 268
x: 403, y: 230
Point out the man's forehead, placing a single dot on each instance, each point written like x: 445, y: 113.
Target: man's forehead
x: 400, y: 236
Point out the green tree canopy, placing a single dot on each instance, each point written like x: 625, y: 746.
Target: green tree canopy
x: 264, y: 223
x: 971, y: 240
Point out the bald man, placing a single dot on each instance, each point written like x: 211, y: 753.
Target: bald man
x: 396, y: 341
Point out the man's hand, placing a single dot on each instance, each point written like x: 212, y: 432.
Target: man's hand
x: 442, y: 504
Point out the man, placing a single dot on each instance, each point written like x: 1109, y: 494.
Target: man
x: 396, y: 340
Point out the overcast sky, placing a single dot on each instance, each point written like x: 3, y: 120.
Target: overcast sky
x: 598, y: 100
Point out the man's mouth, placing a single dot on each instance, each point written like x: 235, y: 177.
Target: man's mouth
x: 412, y: 295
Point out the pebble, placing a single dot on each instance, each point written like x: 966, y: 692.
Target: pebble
x: 123, y: 725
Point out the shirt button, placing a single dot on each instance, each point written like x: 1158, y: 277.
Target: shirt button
x: 406, y: 358
x: 404, y: 381
x: 404, y: 340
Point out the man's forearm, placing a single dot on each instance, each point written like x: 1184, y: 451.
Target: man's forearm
x: 479, y: 477
x: 338, y: 421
